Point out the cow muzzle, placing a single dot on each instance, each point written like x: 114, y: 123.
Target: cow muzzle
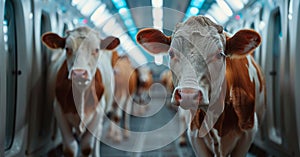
x: 80, y: 76
x: 188, y: 98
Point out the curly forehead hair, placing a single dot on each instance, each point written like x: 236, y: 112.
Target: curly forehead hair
x: 200, y: 24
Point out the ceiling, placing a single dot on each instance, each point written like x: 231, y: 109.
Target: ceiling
x: 124, y: 18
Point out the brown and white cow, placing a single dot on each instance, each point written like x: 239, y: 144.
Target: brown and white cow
x: 125, y: 86
x: 145, y: 80
x: 83, y: 87
x: 141, y: 97
x: 216, y: 80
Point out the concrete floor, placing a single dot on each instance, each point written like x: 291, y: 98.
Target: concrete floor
x: 156, y: 116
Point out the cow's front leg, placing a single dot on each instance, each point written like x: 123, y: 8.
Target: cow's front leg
x: 182, y: 125
x: 244, y: 143
x: 70, y: 145
x: 92, y: 133
x: 198, y: 145
x: 128, y: 109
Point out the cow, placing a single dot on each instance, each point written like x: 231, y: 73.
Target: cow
x: 216, y: 80
x: 83, y: 87
x: 126, y: 79
x: 141, y: 96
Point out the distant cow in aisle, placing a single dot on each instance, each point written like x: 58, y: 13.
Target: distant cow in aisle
x: 217, y: 81
x: 142, y: 97
x: 125, y: 86
x: 83, y: 87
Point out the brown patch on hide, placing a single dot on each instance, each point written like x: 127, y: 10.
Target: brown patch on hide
x: 64, y: 91
x: 114, y: 58
x: 240, y: 91
x: 227, y: 121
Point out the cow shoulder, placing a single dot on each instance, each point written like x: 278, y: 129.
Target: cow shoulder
x: 241, y: 91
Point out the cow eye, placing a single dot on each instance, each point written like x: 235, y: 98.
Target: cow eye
x: 220, y: 55
x: 69, y: 51
x: 95, y: 52
x: 171, y: 53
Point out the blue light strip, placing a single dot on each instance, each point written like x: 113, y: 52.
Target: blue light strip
x: 194, y: 8
x: 125, y: 14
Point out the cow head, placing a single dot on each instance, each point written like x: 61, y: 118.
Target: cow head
x: 83, y: 47
x: 197, y: 50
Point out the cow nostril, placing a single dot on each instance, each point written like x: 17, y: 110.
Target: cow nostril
x: 78, y: 73
x: 199, y: 96
x: 193, y: 94
x: 178, y: 95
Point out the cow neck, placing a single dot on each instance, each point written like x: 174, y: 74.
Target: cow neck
x: 237, y: 114
x: 204, y: 120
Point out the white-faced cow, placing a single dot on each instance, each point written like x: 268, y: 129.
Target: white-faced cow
x: 83, y: 87
x: 217, y: 80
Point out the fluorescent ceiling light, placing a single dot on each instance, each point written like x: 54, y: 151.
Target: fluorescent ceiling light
x: 197, y: 3
x: 236, y: 5
x: 75, y: 21
x: 245, y: 1
x: 75, y: 2
x: 89, y: 7
x: 217, y: 13
x: 125, y: 13
x: 102, y: 18
x: 158, y: 59
x: 124, y: 37
x: 119, y: 3
x: 223, y: 5
x: 109, y: 26
x: 157, y: 13
x: 135, y: 53
x: 158, y: 24
x: 194, y: 10
x: 261, y: 25
x: 211, y: 18
x: 81, y: 4
x: 157, y: 3
x: 118, y: 31
x: 98, y: 12
x: 128, y: 22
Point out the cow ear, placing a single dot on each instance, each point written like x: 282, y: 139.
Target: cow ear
x: 53, y: 41
x: 110, y: 43
x: 242, y: 43
x: 153, y: 40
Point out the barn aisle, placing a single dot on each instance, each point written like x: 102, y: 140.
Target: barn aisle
x: 156, y: 116
x: 160, y: 115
